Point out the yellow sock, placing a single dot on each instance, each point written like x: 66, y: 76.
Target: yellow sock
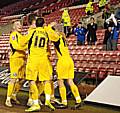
x: 10, y: 89
x: 47, y: 91
x: 34, y: 91
x: 63, y: 95
x: 17, y: 87
x: 40, y: 86
x: 75, y: 92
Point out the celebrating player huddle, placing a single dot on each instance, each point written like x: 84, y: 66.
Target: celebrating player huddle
x: 38, y: 69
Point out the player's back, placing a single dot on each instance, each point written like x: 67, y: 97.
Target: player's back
x: 38, y: 43
x: 61, y: 47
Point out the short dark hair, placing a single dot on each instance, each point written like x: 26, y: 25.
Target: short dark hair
x: 31, y: 17
x: 92, y: 18
x: 40, y: 22
x: 80, y: 22
x: 53, y: 28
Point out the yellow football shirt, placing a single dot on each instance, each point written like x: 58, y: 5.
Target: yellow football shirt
x: 53, y: 36
x: 61, y: 46
x: 17, y: 50
x: 37, y: 40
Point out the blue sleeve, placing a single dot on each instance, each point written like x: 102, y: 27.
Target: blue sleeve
x: 85, y: 30
x: 75, y: 31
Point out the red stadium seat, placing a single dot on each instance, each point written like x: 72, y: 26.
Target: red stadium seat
x: 110, y: 71
x: 94, y: 72
x: 117, y: 71
x: 102, y: 73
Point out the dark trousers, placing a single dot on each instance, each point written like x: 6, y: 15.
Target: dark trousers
x: 90, y: 40
x: 109, y: 44
x: 66, y: 28
x: 114, y: 45
x: 80, y: 42
x: 67, y: 31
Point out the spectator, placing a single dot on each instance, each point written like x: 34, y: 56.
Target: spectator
x: 102, y: 4
x: 66, y: 21
x: 91, y: 28
x: 110, y: 8
x: 115, y: 30
x: 107, y: 42
x: 115, y: 37
x: 105, y: 16
x: 89, y: 8
x: 80, y: 32
x: 117, y: 13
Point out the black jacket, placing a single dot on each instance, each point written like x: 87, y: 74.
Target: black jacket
x: 108, y: 34
x: 91, y: 32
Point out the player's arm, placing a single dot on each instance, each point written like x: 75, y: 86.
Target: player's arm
x: 24, y: 41
x: 53, y: 36
x: 15, y: 44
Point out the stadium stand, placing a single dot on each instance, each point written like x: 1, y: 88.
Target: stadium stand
x: 92, y: 60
